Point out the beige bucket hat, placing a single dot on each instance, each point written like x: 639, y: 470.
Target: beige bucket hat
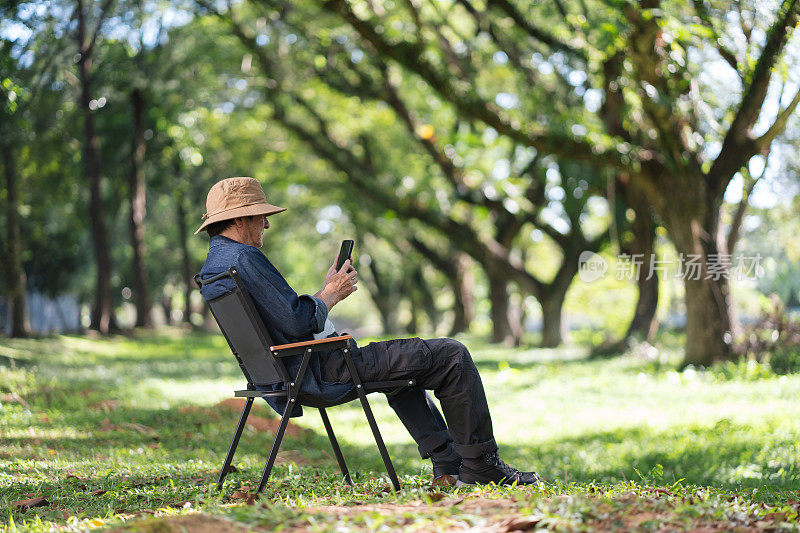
x: 236, y: 197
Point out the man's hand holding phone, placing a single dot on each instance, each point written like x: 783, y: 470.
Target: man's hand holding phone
x: 339, y: 283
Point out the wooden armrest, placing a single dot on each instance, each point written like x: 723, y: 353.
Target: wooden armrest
x: 315, y: 345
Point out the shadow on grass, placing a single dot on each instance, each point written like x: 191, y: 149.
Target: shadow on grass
x: 169, y: 454
x: 725, y: 454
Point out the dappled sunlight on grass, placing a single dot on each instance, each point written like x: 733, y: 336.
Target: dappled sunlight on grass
x: 138, y: 419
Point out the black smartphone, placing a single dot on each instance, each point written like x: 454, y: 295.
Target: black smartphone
x: 345, y: 253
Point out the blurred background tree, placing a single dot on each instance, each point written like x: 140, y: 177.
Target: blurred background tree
x: 477, y: 152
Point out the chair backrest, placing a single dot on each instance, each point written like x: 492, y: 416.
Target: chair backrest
x: 245, y: 332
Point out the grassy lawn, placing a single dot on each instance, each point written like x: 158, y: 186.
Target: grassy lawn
x: 128, y: 433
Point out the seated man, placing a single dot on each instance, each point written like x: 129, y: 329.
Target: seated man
x: 465, y: 448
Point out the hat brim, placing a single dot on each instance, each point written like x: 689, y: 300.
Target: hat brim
x: 245, y: 211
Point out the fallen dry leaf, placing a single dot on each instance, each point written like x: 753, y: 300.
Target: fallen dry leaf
x: 105, y: 405
x: 24, y: 505
x: 248, y: 498
x: 519, y: 523
x: 141, y: 428
x: 202, y: 479
x: 14, y: 397
x: 196, y: 523
x: 98, y: 492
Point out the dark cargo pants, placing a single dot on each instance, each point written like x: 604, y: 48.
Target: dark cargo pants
x: 444, y: 366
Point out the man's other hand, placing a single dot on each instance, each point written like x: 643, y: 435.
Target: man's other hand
x: 338, y: 284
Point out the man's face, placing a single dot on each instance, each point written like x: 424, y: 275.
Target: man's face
x: 253, y: 230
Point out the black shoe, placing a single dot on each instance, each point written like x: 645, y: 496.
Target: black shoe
x: 491, y: 469
x: 449, y: 467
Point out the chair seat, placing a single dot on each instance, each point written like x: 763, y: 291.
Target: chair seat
x: 310, y: 401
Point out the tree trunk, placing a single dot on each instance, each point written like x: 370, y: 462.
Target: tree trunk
x: 643, y: 324
x: 15, y: 274
x: 186, y: 260
x: 410, y: 290
x: 426, y: 299
x: 103, y: 312
x: 552, y: 323
x: 136, y: 194
x: 501, y: 326
x: 166, y: 305
x: 389, y: 320
x: 412, y: 326
x: 386, y: 300
x: 462, y: 285
x: 454, y: 265
x: 710, y: 326
x: 516, y: 320
x: 708, y: 321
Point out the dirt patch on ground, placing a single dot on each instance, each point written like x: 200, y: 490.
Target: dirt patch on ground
x: 260, y: 423
x: 450, y: 513
x: 196, y: 523
x: 490, y: 515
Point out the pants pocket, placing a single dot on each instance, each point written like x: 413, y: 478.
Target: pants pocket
x: 403, y: 358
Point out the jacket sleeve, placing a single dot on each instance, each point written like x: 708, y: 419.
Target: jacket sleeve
x: 296, y: 316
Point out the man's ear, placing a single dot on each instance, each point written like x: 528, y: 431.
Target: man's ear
x: 241, y: 226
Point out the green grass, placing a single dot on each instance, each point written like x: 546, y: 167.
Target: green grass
x: 113, y: 430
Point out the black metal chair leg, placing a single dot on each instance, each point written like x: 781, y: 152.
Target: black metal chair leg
x: 335, y: 444
x: 387, y: 461
x: 294, y: 390
x: 276, y: 445
x: 234, y: 443
x: 378, y: 439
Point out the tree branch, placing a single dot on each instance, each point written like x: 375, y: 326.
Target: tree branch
x: 702, y: 12
x: 540, y: 35
x: 779, y: 125
x: 96, y: 32
x: 468, y: 101
x: 741, y: 208
x: 738, y: 146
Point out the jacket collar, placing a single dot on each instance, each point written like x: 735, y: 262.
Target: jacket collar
x: 221, y: 240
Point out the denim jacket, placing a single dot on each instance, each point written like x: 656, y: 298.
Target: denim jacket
x: 287, y: 317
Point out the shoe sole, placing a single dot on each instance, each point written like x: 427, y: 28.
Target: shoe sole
x: 460, y: 483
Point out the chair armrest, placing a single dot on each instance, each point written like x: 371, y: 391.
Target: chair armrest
x: 318, y: 345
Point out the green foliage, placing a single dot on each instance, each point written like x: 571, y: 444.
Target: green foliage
x: 785, y: 360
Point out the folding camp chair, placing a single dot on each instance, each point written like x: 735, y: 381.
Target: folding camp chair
x: 262, y: 366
